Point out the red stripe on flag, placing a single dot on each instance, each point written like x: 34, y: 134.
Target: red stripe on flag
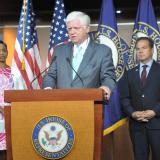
x: 49, y: 57
x: 34, y: 67
x: 23, y: 72
x: 38, y: 74
x: 29, y: 60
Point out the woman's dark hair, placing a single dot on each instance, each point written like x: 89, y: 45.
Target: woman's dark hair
x: 1, y: 42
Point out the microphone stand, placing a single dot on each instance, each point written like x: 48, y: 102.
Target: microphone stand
x: 68, y: 60
x: 30, y: 87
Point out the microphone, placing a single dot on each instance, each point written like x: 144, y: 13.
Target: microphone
x: 68, y: 60
x: 54, y: 58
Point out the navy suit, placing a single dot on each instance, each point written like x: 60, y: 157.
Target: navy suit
x: 134, y: 97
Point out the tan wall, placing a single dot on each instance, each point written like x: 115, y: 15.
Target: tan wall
x: 9, y: 36
x: 43, y: 37
x: 125, y: 32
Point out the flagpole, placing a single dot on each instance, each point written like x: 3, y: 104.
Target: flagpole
x: 23, y: 37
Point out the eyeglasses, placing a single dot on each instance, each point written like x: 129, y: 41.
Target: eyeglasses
x: 75, y: 28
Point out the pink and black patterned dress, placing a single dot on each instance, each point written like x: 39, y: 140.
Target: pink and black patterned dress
x: 6, y: 83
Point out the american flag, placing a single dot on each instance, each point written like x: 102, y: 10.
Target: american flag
x: 26, y: 63
x: 58, y: 32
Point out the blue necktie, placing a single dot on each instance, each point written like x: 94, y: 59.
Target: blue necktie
x: 77, y: 59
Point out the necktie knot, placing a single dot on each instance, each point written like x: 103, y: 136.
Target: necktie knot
x: 77, y: 50
x: 144, y: 67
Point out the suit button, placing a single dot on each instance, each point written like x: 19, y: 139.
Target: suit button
x: 142, y: 95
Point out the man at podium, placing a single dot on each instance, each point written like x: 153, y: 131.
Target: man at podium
x: 81, y: 63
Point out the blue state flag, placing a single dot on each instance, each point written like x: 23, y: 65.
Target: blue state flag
x: 108, y: 34
x: 145, y: 26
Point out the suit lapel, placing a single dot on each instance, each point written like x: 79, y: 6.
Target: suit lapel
x: 69, y: 55
x: 151, y: 73
x: 136, y: 76
x: 69, y: 51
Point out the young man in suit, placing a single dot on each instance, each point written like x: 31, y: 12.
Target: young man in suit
x: 81, y: 63
x: 140, y: 98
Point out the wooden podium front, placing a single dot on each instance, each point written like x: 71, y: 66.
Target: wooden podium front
x: 64, y: 96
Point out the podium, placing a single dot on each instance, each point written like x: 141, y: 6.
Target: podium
x: 62, y: 95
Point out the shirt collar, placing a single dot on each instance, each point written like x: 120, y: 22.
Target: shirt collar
x: 149, y: 64
x: 84, y: 44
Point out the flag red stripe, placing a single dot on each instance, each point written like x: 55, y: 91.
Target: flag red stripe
x: 29, y: 60
x: 49, y: 57
x: 38, y: 74
x: 23, y: 72
x: 34, y: 67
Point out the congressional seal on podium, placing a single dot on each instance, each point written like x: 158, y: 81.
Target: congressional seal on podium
x: 53, y: 137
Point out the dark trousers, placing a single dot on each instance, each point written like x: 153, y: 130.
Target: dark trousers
x: 144, y: 140
x: 3, y: 155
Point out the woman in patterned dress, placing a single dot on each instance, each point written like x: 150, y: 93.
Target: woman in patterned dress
x: 6, y: 82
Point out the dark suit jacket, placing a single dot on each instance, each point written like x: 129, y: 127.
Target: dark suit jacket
x: 136, y: 98
x: 96, y: 68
